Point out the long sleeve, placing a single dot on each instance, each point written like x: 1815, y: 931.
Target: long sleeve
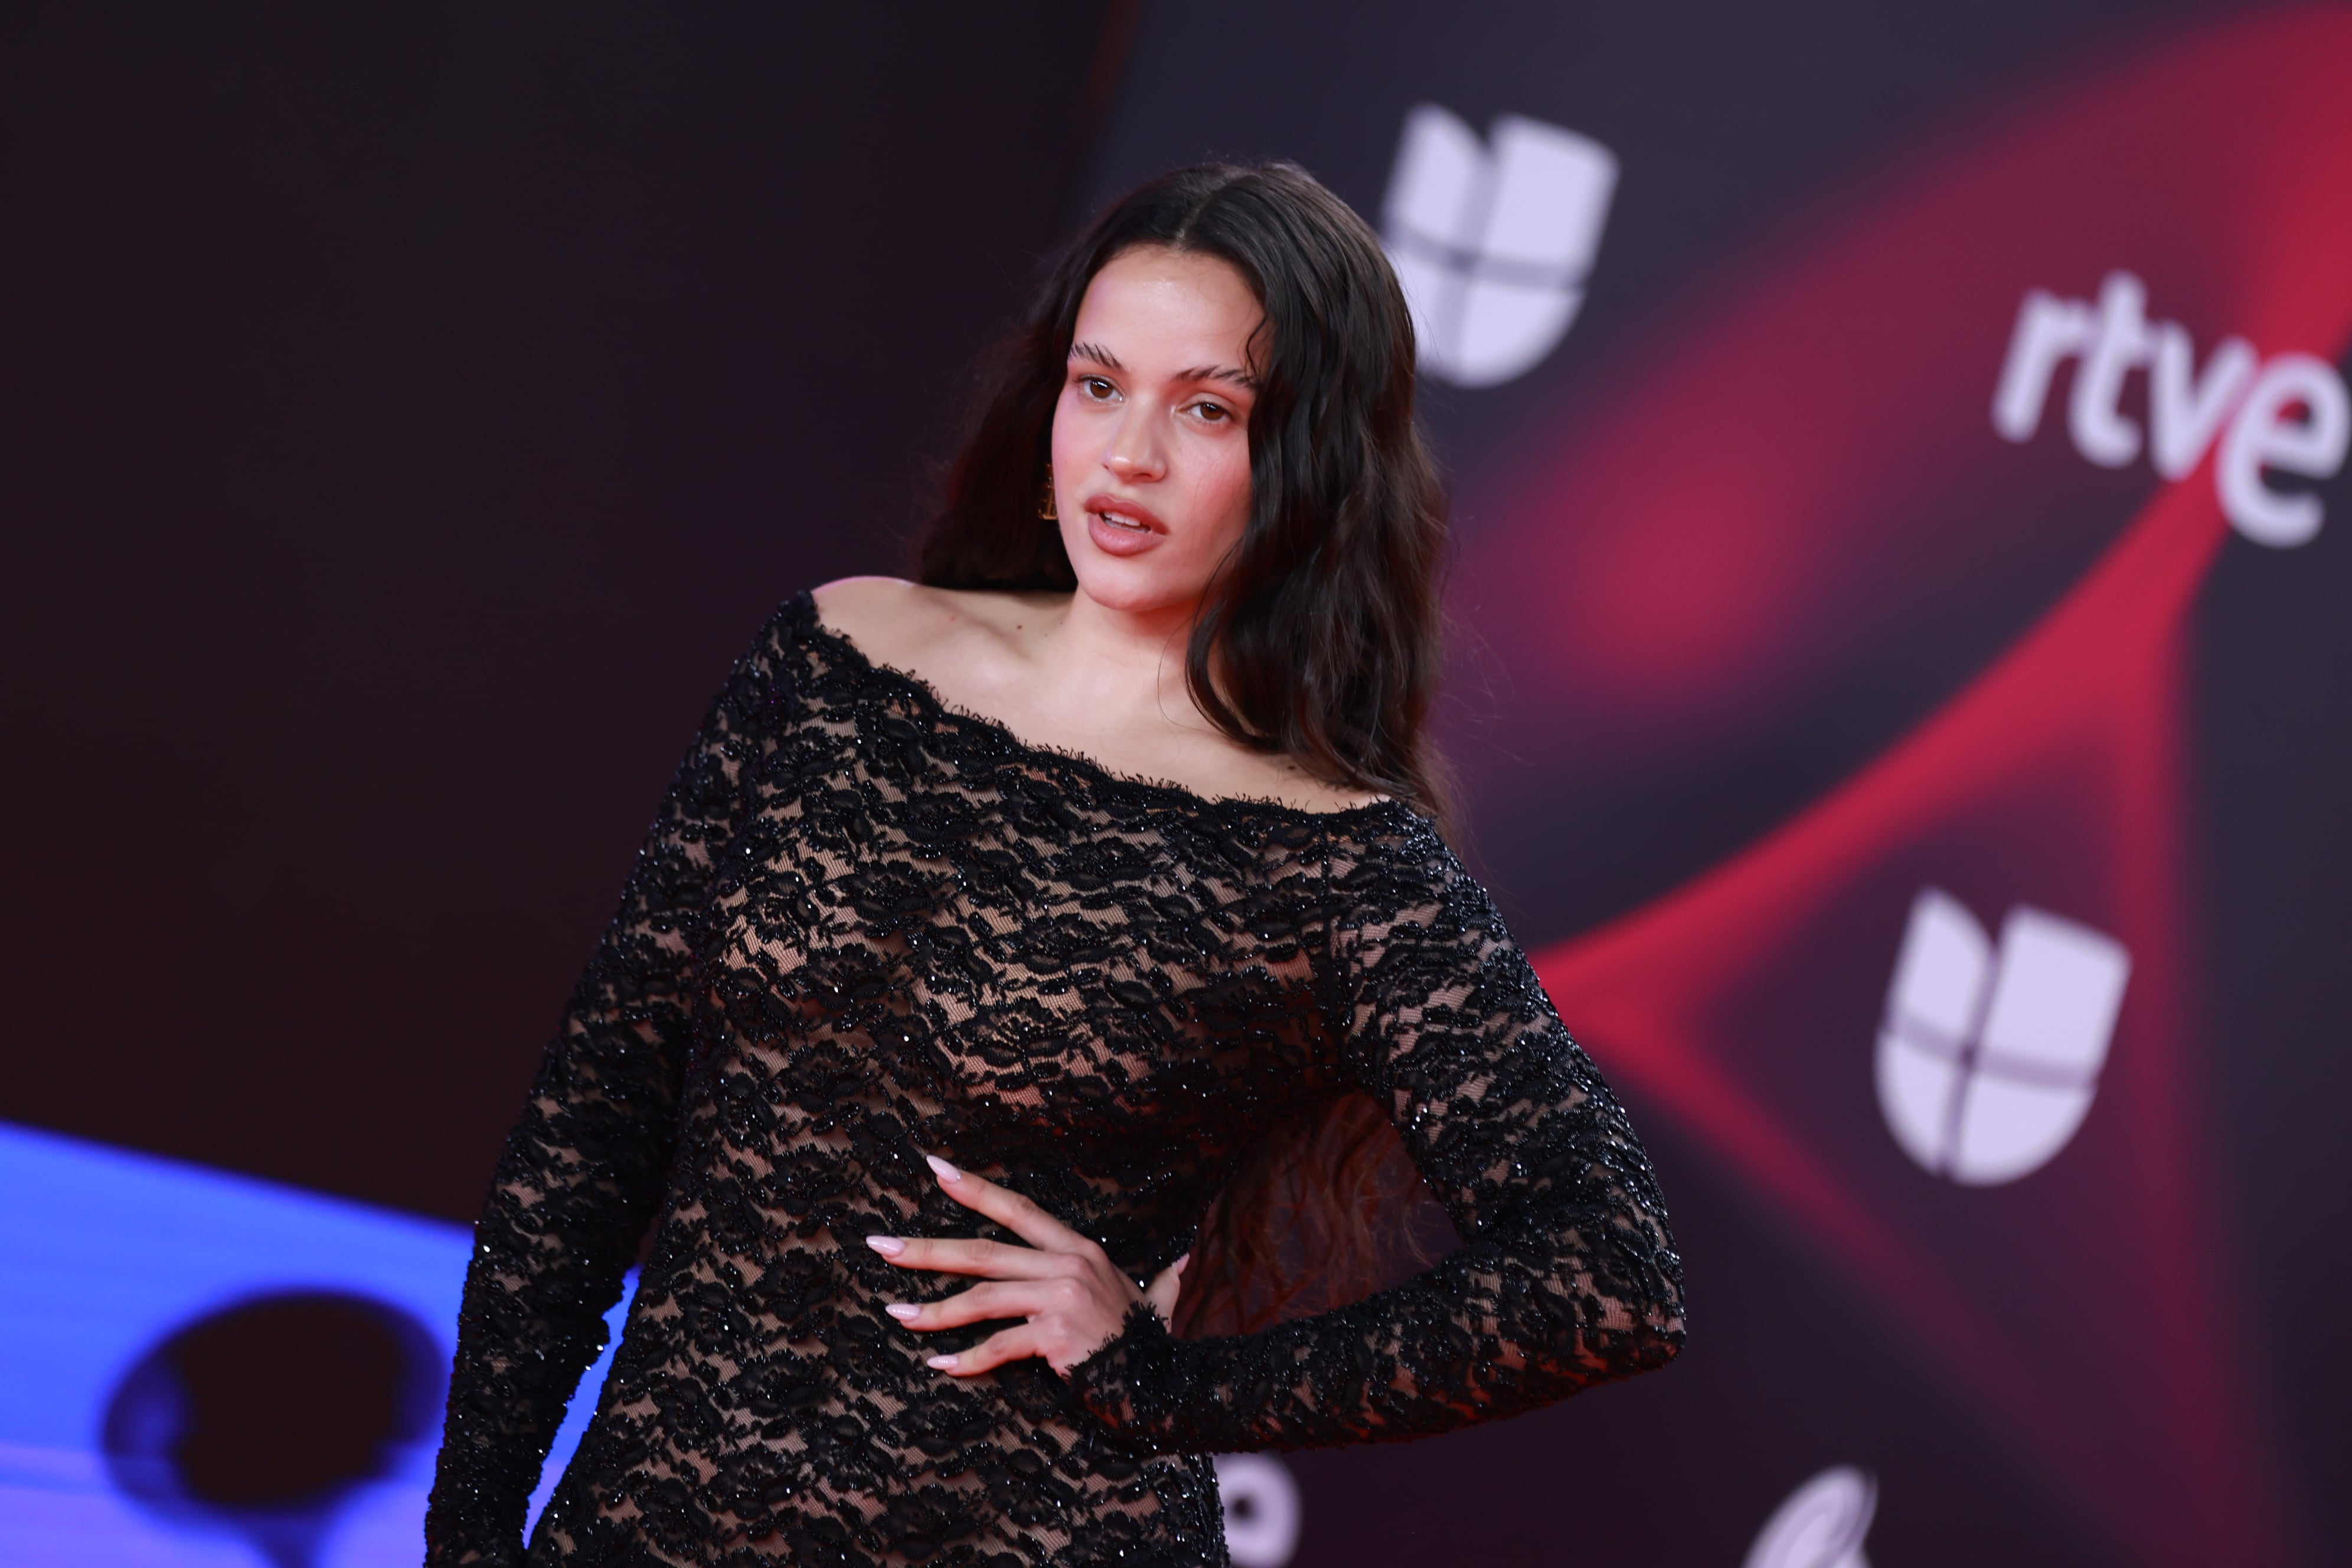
x: 583, y: 1170
x: 1566, y: 1277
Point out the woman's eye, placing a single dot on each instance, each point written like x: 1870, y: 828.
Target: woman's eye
x: 1094, y: 386
x: 1213, y: 413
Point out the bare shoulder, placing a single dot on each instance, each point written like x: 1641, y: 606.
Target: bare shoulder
x: 917, y: 627
x: 862, y: 608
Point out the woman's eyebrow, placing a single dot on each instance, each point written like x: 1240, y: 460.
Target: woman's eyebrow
x: 1094, y: 353
x: 1240, y: 378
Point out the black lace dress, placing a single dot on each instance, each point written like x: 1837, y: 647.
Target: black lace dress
x: 866, y: 926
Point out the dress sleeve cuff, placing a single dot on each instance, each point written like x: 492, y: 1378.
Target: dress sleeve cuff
x: 1135, y: 1383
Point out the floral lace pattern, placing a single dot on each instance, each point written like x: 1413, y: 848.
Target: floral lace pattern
x: 866, y: 926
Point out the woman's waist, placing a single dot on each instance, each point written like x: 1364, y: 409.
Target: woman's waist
x: 803, y: 1351
x: 741, y: 1208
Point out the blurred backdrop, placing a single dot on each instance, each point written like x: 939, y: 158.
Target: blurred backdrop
x: 1902, y: 690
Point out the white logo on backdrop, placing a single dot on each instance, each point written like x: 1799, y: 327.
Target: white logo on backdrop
x: 1262, y: 1513
x: 1988, y: 1058
x: 2187, y: 407
x: 1821, y: 1524
x: 1492, y: 242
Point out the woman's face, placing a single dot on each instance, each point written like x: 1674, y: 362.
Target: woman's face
x: 1151, y: 466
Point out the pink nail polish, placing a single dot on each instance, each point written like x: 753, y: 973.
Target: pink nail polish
x: 942, y: 1170
x: 1179, y: 1264
x: 904, y: 1312
x: 888, y: 1246
x: 941, y: 1363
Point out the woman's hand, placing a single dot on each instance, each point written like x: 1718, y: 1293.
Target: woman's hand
x: 1072, y: 1295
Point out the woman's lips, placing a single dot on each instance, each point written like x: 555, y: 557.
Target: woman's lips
x: 1122, y: 528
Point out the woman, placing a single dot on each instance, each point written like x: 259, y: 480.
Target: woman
x: 929, y: 1028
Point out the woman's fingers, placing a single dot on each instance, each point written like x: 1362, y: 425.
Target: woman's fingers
x: 1071, y: 1298
x: 1165, y: 1286
x: 996, y: 1298
x: 966, y: 1254
x: 1007, y: 1208
x: 1016, y: 1343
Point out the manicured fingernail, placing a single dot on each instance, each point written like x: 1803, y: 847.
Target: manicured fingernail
x: 904, y: 1312
x: 888, y: 1246
x: 1179, y: 1264
x: 941, y: 1363
x: 942, y: 1170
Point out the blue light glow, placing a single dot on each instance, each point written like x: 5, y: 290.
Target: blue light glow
x: 107, y: 1253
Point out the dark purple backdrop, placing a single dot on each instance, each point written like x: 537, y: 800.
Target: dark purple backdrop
x: 413, y: 409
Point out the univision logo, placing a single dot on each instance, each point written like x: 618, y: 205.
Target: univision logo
x: 1493, y: 241
x: 1262, y: 1509
x: 1990, y: 1057
x: 1822, y: 1524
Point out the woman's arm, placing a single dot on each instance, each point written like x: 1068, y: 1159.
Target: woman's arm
x: 585, y: 1167
x: 1565, y: 1275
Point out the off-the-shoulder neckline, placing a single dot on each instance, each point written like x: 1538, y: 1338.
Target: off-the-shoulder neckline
x: 926, y: 695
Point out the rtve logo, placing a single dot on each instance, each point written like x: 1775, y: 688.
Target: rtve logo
x: 1821, y: 1525
x: 2185, y: 407
x: 1493, y: 244
x: 1988, y: 1059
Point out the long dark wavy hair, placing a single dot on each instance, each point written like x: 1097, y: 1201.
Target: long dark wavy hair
x: 1317, y: 635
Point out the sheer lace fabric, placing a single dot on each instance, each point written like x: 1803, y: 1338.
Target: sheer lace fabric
x: 866, y: 927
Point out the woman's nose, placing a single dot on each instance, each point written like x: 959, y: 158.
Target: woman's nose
x: 1133, y: 455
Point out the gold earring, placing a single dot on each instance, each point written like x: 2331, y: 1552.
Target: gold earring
x: 1045, y: 503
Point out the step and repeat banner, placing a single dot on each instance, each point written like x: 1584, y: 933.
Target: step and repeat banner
x: 1899, y: 636
x: 1901, y: 630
